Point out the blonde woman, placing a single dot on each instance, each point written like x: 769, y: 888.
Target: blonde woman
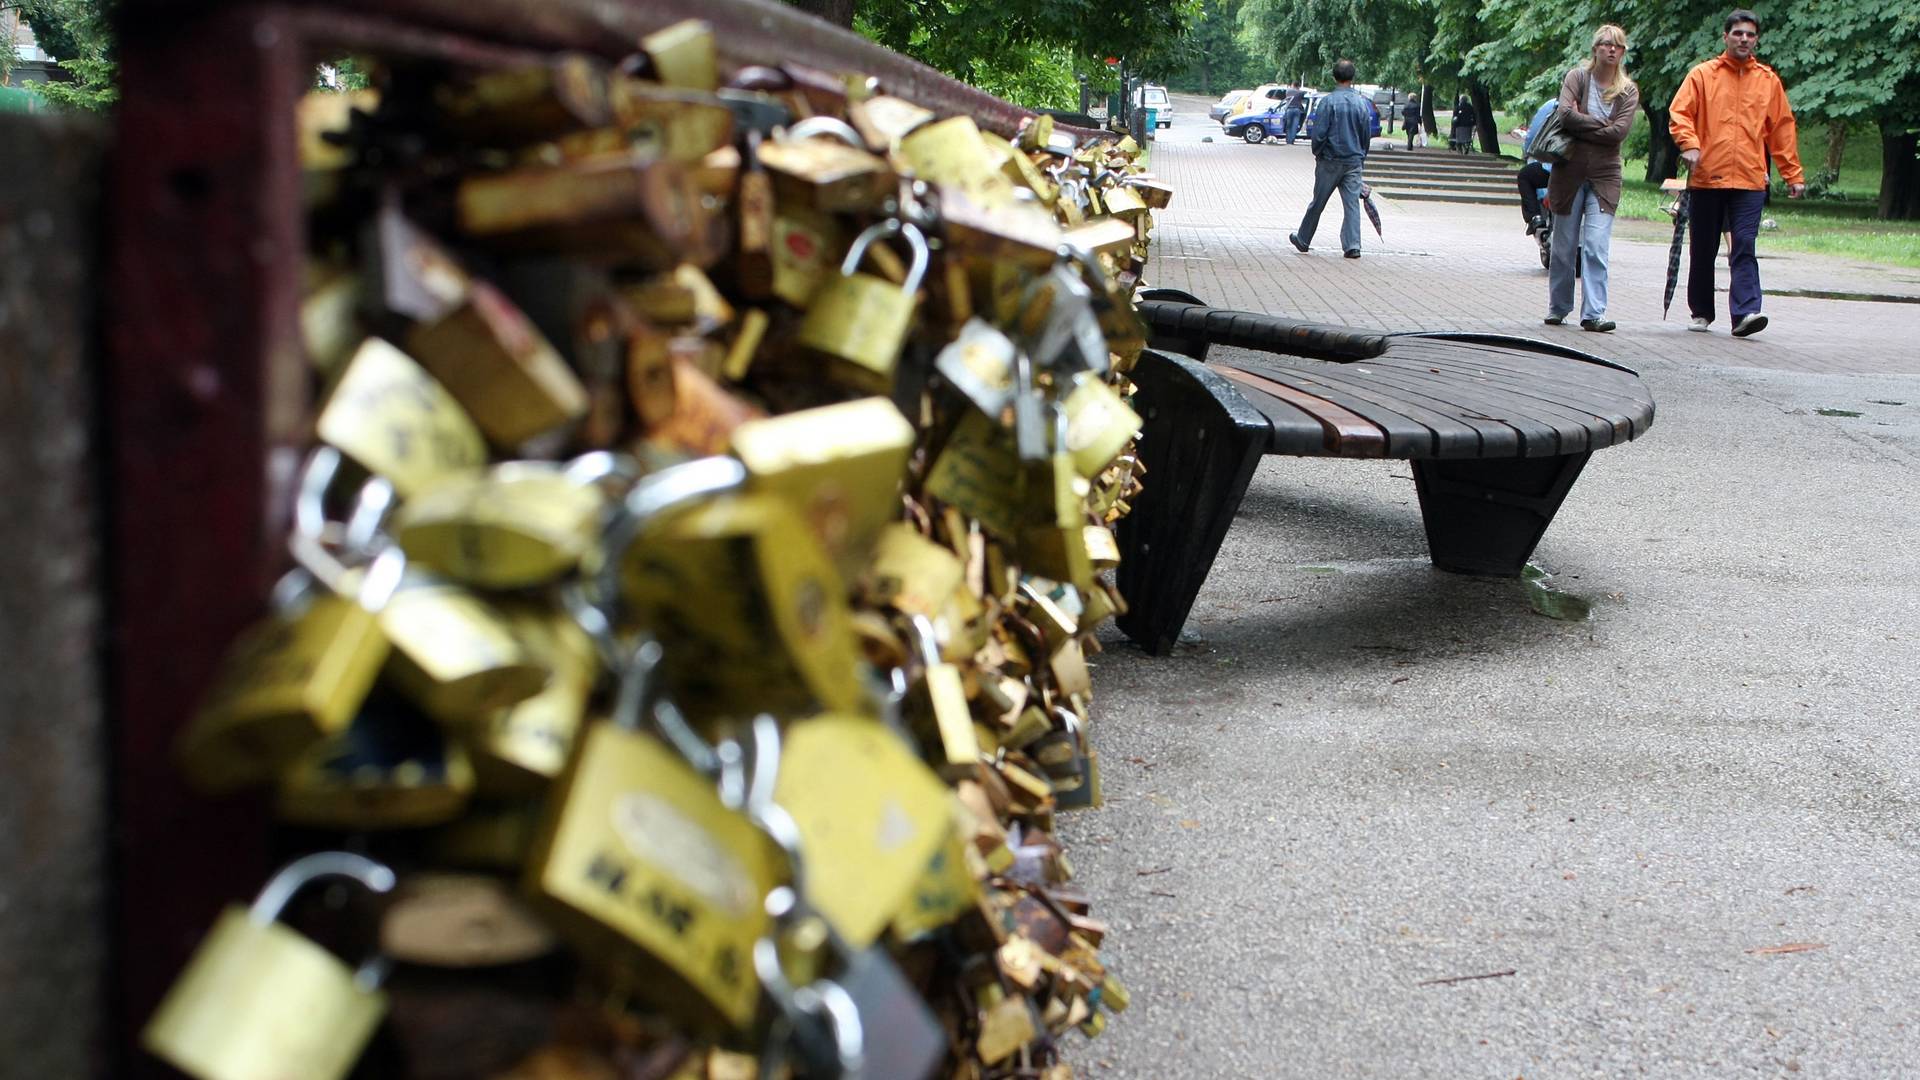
x: 1599, y: 102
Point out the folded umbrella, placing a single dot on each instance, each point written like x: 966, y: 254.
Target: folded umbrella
x: 1373, y: 211
x: 1680, y: 211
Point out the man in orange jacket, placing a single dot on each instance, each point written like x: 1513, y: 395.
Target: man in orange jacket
x: 1729, y: 114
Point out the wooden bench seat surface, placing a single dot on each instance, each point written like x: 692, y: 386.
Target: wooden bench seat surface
x: 1436, y: 398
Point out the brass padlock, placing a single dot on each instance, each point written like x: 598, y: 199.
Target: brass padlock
x: 950, y: 152
x: 290, y: 681
x: 980, y: 364
x: 834, y: 174
x: 840, y: 466
x: 910, y: 573
x: 862, y: 321
x: 397, y: 422
x: 946, y: 696
x: 501, y: 370
x: 528, y: 102
x: 461, y: 921
x: 391, y: 769
x: 684, y: 55
x: 259, y: 999
x: 520, y: 749
x: 802, y: 252
x: 647, y: 870
x: 521, y: 523
x: 454, y: 653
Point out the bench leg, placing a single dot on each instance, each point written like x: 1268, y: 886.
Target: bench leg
x: 1486, y: 517
x: 1199, y: 443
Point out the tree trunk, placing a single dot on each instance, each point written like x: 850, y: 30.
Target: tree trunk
x: 1836, y: 147
x: 834, y: 11
x: 1899, y: 175
x: 1484, y: 119
x: 1663, y: 157
x: 1427, y: 119
x: 1206, y: 74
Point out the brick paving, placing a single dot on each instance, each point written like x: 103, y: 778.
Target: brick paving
x: 1462, y: 267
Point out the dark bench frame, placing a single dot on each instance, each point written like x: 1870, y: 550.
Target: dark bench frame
x: 1484, y: 511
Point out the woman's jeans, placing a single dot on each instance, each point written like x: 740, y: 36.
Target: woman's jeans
x: 1591, y: 228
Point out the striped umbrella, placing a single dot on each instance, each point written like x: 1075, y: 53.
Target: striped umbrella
x: 1373, y: 210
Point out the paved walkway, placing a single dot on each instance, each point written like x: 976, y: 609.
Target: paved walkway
x: 1447, y: 266
x: 1374, y: 820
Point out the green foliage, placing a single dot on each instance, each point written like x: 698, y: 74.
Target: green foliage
x: 991, y: 41
x: 79, y: 33
x: 1214, y: 58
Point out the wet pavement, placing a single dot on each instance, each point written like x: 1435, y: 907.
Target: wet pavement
x: 1379, y: 820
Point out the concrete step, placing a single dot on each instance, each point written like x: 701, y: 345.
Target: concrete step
x: 1426, y: 168
x: 1479, y: 198
x: 1422, y: 184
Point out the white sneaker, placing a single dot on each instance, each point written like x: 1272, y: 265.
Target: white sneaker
x: 1698, y: 325
x: 1751, y: 323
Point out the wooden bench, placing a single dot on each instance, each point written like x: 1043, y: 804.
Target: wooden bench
x: 1497, y: 429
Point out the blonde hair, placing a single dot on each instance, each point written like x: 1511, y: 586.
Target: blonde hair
x: 1611, y: 35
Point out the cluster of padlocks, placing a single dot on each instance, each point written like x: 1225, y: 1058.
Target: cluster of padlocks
x: 694, y: 572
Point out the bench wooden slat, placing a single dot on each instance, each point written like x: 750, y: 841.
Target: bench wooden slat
x: 1347, y: 433
x: 1498, y: 437
x: 1412, y: 431
x: 1539, y: 434
x: 1515, y: 361
x: 1626, y: 412
x: 1571, y: 405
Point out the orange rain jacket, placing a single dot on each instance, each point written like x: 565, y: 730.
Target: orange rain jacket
x: 1735, y: 114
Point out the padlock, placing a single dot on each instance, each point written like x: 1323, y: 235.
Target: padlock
x: 981, y: 474
x: 833, y: 175
x: 863, y: 1018
x: 868, y: 834
x: 684, y: 55
x: 1099, y: 424
x: 290, y: 681
x: 668, y: 123
x: 392, y: 768
x: 330, y: 325
x: 979, y: 363
x: 946, y: 703
x: 802, y: 252
x: 528, y: 102
x: 648, y: 871
x: 703, y: 414
x: 410, y: 276
x: 1018, y: 233
x: 454, y: 653
x: 397, y: 422
x: 520, y: 523
x: 501, y: 370
x: 950, y: 152
x: 259, y: 999
x: 461, y: 921
x: 910, y: 573
x: 861, y: 321
x: 883, y: 121
x: 840, y: 466
x: 649, y: 214
x: 520, y: 749
x: 946, y: 888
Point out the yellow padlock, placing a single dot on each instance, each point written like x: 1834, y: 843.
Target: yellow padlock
x: 840, y: 466
x: 519, y: 524
x: 260, y: 1000
x: 390, y: 416
x: 868, y: 833
x: 860, y: 322
x: 521, y: 748
x: 454, y: 654
x: 289, y: 682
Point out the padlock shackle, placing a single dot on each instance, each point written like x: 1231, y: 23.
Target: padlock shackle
x: 670, y: 489
x: 377, y: 586
x: 301, y: 872
x: 831, y: 126
x: 916, y: 240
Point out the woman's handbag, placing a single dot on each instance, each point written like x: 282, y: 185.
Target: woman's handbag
x: 1551, y: 143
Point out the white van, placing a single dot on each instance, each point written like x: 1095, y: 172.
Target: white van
x: 1153, y: 96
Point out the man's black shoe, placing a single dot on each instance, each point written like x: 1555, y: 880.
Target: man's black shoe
x: 1598, y: 326
x: 1354, y: 254
x: 1294, y: 239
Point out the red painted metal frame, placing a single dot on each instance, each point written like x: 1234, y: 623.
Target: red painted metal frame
x: 206, y: 399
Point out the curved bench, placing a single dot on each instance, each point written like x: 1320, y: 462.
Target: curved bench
x: 1496, y: 428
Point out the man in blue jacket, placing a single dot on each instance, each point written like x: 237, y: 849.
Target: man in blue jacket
x: 1339, y: 149
x: 1533, y: 174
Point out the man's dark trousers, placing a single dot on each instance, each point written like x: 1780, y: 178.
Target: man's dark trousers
x: 1716, y: 210
x: 1532, y: 177
x: 1291, y: 121
x: 1330, y: 173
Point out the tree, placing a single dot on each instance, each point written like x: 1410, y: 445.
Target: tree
x: 1213, y: 56
x: 1851, y: 60
x: 79, y: 34
x: 978, y: 41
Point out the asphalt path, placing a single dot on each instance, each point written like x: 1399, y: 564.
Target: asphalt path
x: 1375, y: 820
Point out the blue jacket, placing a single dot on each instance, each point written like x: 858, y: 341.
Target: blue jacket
x: 1346, y: 126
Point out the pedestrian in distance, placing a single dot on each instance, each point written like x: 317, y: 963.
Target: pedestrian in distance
x: 1294, y: 113
x: 1598, y: 102
x: 1728, y: 116
x: 1410, y: 115
x: 1340, y: 140
x: 1461, y: 138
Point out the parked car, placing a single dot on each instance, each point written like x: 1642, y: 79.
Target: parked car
x: 1222, y: 108
x: 1260, y: 99
x: 1153, y: 96
x: 1257, y: 127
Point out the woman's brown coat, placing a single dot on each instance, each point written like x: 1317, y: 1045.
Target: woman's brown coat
x: 1594, y: 156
